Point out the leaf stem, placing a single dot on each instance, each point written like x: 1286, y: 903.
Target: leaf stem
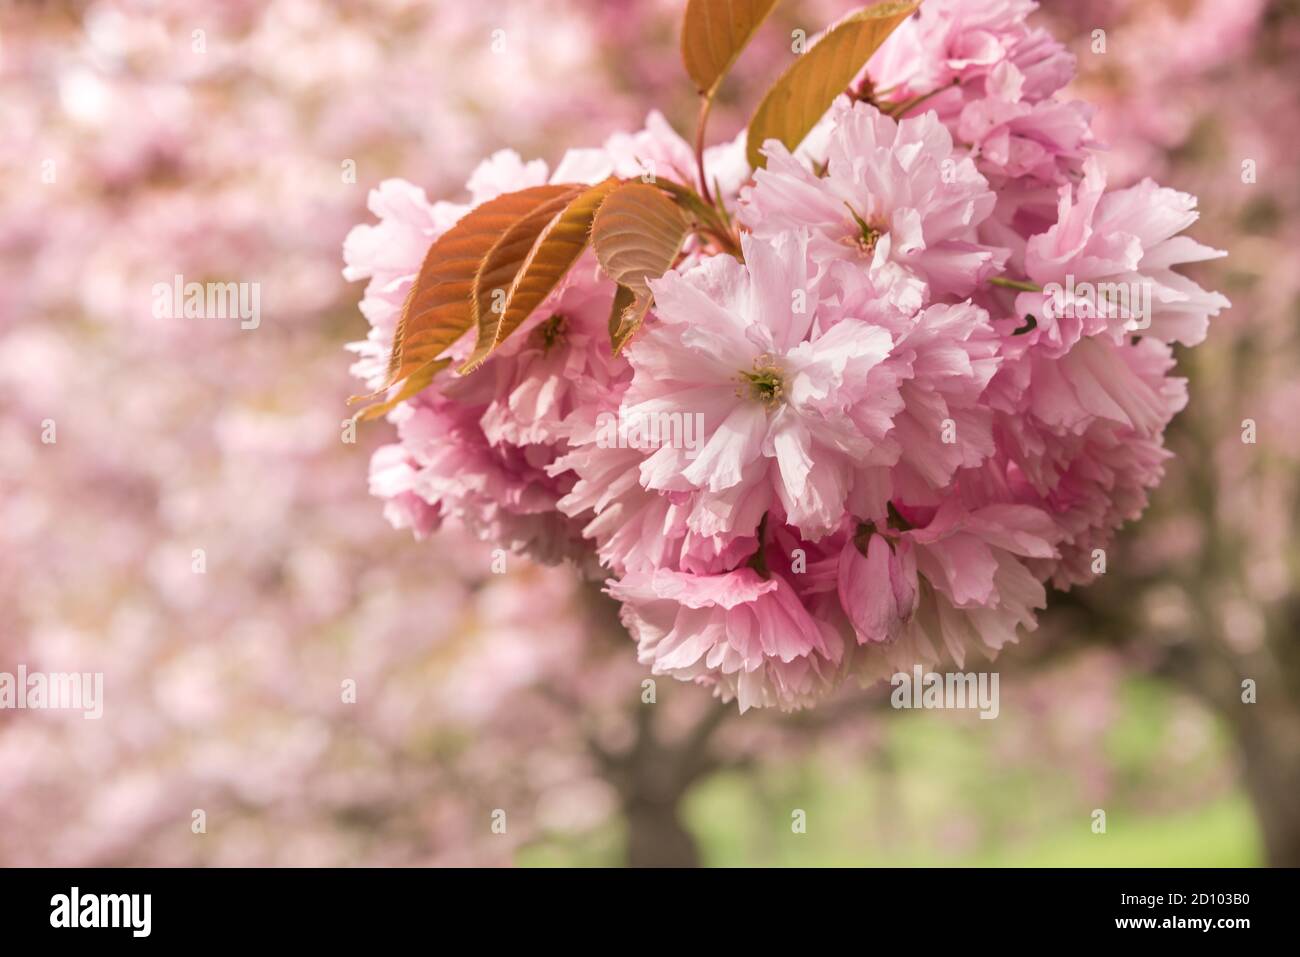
x: 708, y: 220
x: 725, y: 240
x: 898, y: 109
x: 1019, y: 284
x: 706, y: 104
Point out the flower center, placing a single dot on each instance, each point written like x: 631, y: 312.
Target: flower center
x: 867, y: 235
x: 549, y: 333
x: 766, y: 384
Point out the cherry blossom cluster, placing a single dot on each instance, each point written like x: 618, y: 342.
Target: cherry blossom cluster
x: 928, y: 381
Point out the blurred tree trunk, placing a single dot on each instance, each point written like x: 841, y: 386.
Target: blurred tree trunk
x: 1271, y: 755
x: 652, y: 778
x: 655, y: 771
x: 1198, y: 659
x: 650, y: 787
x: 1264, y: 721
x: 656, y: 836
x: 1266, y: 729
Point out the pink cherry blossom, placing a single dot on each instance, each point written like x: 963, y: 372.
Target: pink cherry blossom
x: 878, y: 590
x: 1130, y: 239
x: 745, y: 634
x: 960, y: 581
x: 873, y: 436
x: 732, y: 343
x: 896, y: 200
x: 502, y: 493
x: 1013, y: 136
x: 942, y: 361
x: 1086, y: 439
x: 953, y: 46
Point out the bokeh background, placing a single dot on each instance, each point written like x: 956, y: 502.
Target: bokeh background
x: 139, y: 140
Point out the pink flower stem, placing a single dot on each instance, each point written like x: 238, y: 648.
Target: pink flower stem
x: 1018, y: 284
x: 898, y: 110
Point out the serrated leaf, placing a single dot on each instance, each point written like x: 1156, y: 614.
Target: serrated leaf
x: 714, y: 32
x: 803, y: 94
x: 498, y: 269
x: 638, y: 234
x: 528, y: 262
x: 438, y: 310
x: 413, y: 383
